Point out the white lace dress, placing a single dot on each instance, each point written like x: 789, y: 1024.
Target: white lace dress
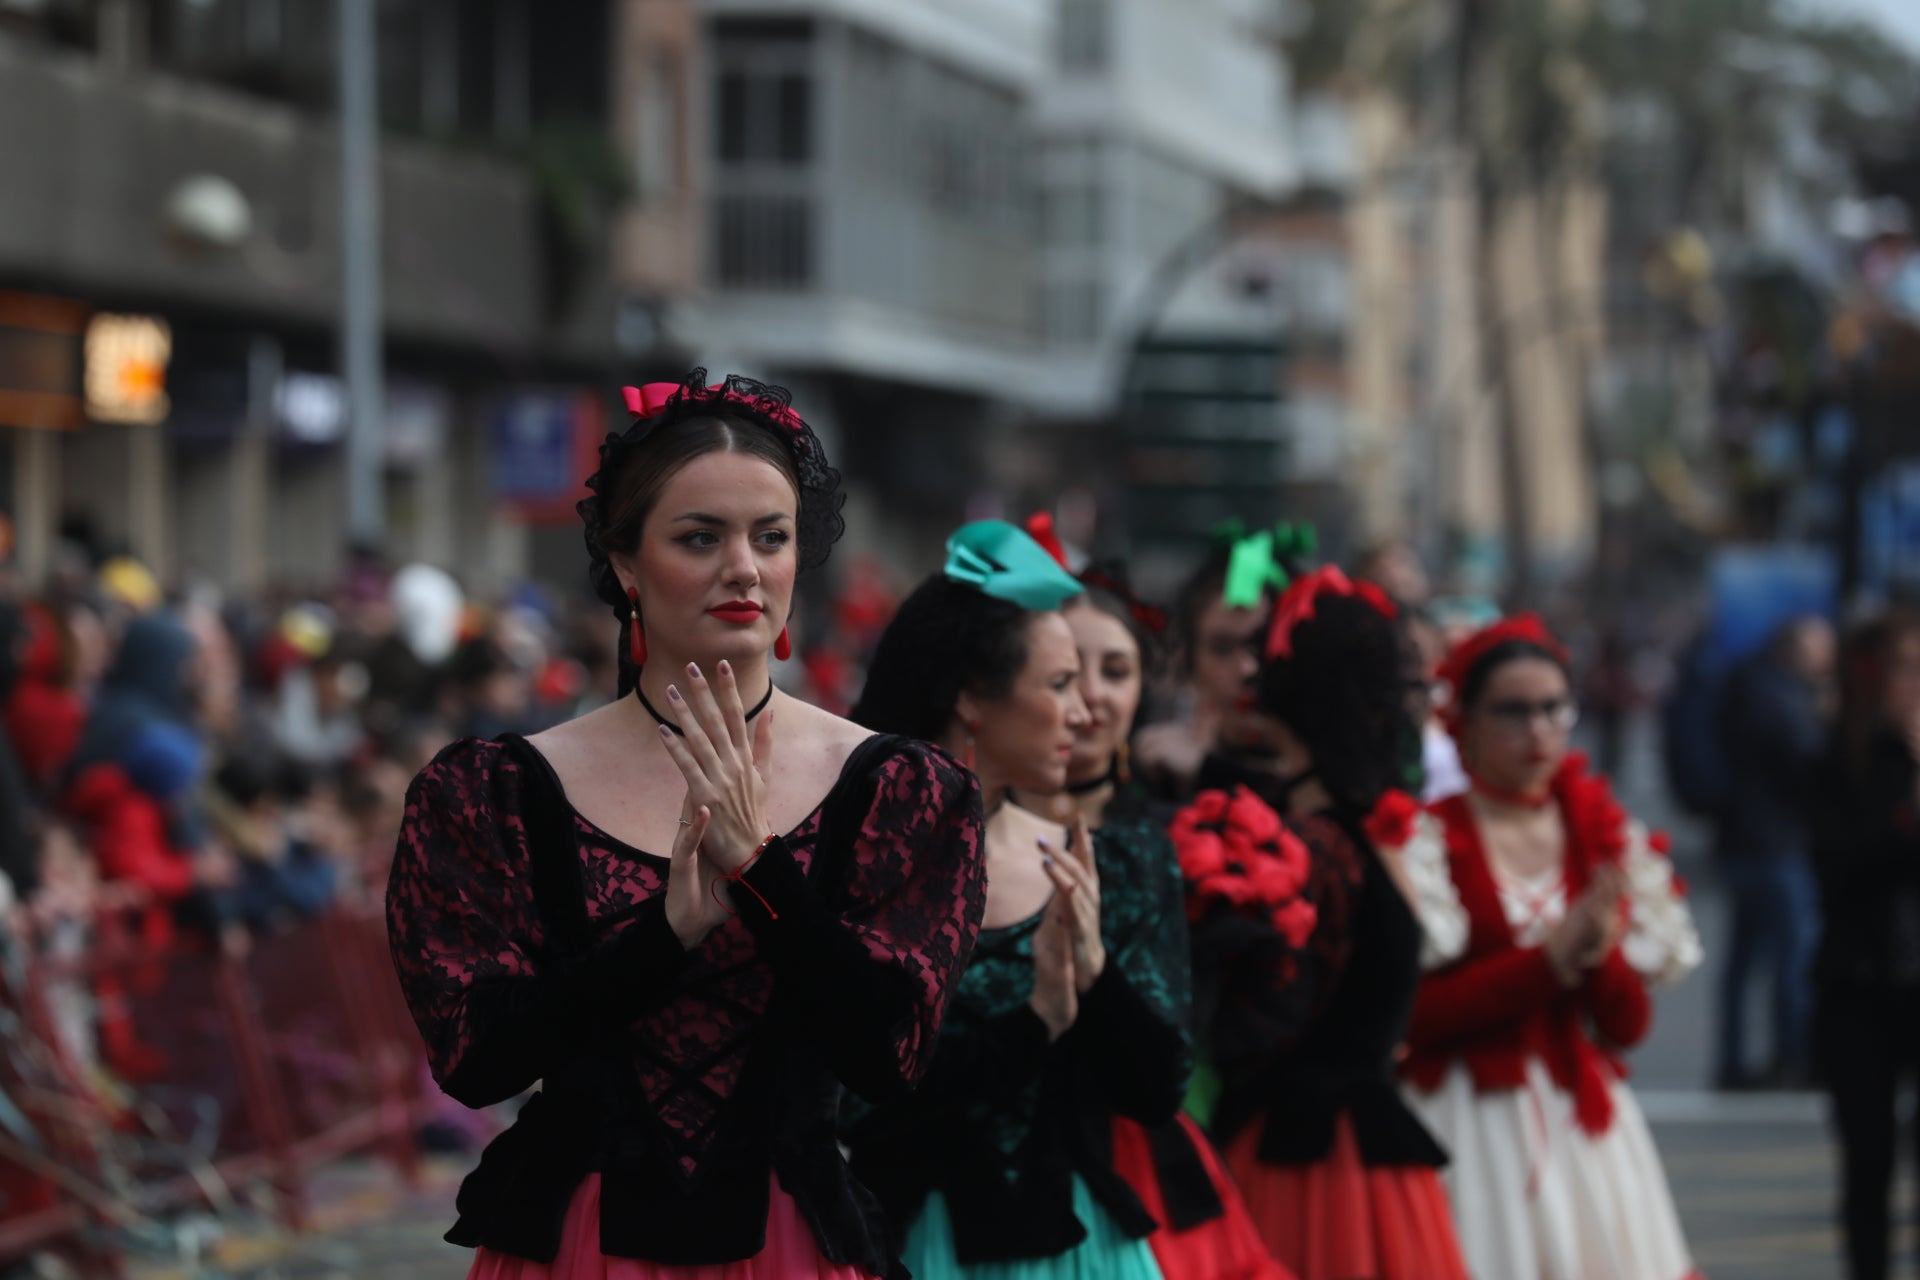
x: 1534, y: 1195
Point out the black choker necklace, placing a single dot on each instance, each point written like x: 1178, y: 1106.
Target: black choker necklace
x: 1094, y: 784
x: 665, y: 723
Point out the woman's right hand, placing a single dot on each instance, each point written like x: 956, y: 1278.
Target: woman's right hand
x: 694, y: 908
x: 1054, y: 997
x: 1572, y: 940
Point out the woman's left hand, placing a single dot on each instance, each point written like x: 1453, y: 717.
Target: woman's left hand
x: 724, y: 763
x: 1076, y: 878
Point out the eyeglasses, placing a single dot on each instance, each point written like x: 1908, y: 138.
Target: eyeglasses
x: 1561, y: 714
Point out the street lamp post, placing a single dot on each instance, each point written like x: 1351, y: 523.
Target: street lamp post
x: 360, y: 355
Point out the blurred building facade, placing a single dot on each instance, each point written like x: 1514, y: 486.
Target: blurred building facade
x: 182, y: 171
x: 952, y: 230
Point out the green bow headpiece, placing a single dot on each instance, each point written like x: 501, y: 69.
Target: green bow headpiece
x: 1003, y: 561
x: 1256, y: 563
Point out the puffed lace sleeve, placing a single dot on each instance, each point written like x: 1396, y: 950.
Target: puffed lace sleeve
x: 873, y: 954
x: 494, y: 1010
x: 1661, y: 942
x: 1443, y: 921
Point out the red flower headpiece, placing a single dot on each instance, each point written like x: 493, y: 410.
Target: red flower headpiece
x: 1297, y: 604
x: 1523, y: 628
x: 1233, y: 849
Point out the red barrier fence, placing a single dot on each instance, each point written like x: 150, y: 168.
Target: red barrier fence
x: 254, y: 1069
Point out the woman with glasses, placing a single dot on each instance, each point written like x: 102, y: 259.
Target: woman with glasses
x: 1571, y: 912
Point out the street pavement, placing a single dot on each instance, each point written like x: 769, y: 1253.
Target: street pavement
x: 1753, y: 1174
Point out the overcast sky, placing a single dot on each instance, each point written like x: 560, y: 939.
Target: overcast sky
x: 1902, y: 17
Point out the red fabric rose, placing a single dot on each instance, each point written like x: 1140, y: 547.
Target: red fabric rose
x: 1295, y: 922
x: 1202, y: 854
x: 1250, y: 814
x: 1390, y: 825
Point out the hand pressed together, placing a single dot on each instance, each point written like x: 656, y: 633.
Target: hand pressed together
x: 725, y: 764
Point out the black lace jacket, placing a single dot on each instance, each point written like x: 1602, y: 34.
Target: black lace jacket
x: 532, y: 947
x: 1005, y: 1119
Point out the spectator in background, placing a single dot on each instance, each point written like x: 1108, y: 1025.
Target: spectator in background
x: 1773, y: 726
x: 1610, y: 696
x: 495, y: 695
x: 1395, y: 568
x: 1867, y: 970
x: 1218, y: 641
x: 286, y: 874
x: 1441, y: 774
x: 16, y: 834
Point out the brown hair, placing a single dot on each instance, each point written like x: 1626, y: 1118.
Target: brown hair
x: 640, y: 477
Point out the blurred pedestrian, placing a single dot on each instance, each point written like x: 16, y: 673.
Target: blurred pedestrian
x: 1572, y: 913
x: 1217, y: 625
x: 1072, y: 1010
x: 1394, y: 566
x: 1774, y: 720
x: 1440, y: 772
x: 17, y: 838
x: 1867, y: 970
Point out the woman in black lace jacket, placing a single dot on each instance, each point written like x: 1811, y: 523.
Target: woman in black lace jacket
x: 1072, y: 1010
x: 690, y: 1015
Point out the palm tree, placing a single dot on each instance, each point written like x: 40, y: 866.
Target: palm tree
x: 1525, y: 94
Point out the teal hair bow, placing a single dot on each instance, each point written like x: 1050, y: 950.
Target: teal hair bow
x: 1257, y: 561
x: 1003, y: 561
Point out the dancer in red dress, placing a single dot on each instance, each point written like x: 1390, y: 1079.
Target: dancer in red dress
x: 1307, y: 951
x: 1571, y: 911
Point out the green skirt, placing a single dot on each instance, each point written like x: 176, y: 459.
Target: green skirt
x: 1106, y: 1253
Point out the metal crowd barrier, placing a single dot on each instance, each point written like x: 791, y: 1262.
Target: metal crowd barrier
x: 257, y: 1068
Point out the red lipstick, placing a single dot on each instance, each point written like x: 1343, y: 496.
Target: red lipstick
x: 740, y: 611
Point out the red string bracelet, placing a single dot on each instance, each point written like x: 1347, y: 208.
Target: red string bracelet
x: 739, y: 877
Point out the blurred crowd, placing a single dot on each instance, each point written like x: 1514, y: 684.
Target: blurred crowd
x: 199, y: 771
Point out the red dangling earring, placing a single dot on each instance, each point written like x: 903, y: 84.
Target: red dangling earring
x: 973, y: 726
x: 782, y: 646
x: 636, y: 638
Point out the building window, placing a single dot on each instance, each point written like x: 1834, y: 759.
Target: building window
x: 1082, y: 35
x: 656, y: 162
x: 1070, y: 310
x: 763, y: 241
x: 763, y: 102
x: 1073, y: 217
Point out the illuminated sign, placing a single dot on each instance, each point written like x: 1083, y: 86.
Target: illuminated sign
x: 127, y: 368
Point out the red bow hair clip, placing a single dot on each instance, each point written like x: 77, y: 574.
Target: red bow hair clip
x: 1521, y: 628
x: 1040, y: 529
x: 653, y: 399
x: 1296, y: 604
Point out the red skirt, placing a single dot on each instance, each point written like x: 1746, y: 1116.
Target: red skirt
x: 1339, y: 1220
x: 790, y: 1252
x: 1227, y: 1247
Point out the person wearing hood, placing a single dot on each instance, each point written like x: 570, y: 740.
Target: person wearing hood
x: 132, y: 778
x: 16, y: 840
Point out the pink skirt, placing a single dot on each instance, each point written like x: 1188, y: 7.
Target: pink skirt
x: 790, y: 1253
